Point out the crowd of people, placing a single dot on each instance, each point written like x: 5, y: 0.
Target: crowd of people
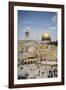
x: 37, y: 70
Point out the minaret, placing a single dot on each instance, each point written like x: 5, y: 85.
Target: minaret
x: 27, y: 33
x: 27, y: 38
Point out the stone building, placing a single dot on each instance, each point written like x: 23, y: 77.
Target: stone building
x: 37, y: 59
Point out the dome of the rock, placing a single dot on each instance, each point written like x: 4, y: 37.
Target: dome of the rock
x: 46, y: 36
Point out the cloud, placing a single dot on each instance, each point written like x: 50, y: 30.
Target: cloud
x: 47, y: 24
x: 26, y: 22
x: 52, y: 28
x: 54, y: 19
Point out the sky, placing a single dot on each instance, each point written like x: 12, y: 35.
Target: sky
x: 38, y: 22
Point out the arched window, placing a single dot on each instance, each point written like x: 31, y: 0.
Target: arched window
x: 25, y: 62
x: 28, y: 62
x: 31, y: 62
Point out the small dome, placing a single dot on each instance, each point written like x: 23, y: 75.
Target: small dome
x: 46, y: 36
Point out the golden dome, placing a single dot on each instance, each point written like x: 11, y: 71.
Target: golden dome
x: 46, y: 36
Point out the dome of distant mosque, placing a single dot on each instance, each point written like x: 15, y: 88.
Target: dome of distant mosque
x: 46, y: 36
